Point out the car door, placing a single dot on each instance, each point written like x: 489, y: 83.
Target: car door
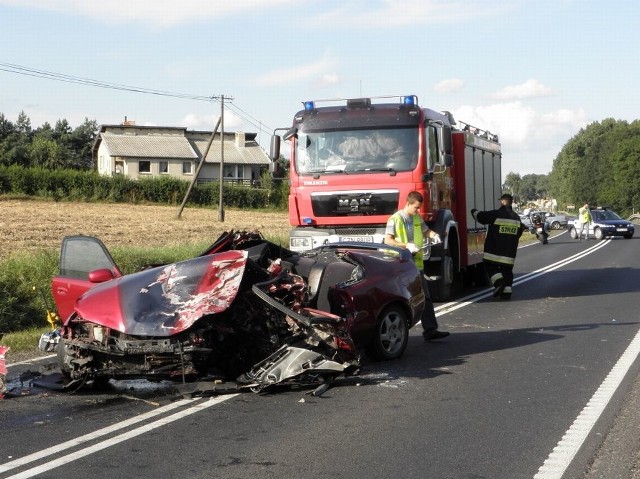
x: 80, y: 256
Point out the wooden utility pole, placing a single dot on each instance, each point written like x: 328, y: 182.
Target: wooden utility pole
x: 220, y: 202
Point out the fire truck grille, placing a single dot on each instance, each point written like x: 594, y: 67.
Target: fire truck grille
x: 355, y: 231
x: 355, y: 203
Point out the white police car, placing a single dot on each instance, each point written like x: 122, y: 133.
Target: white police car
x: 604, y: 223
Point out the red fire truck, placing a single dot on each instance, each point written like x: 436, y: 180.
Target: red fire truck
x: 353, y: 162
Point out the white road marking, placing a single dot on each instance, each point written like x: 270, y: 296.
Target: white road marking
x: 62, y: 460
x: 58, y: 448
x: 31, y: 361
x: 562, y: 455
x: 475, y: 297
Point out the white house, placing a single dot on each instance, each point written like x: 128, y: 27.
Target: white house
x: 141, y: 151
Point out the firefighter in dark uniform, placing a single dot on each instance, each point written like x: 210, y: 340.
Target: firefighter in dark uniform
x: 500, y: 247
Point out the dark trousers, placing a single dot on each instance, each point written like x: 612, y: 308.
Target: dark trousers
x: 428, y: 320
x: 499, y: 271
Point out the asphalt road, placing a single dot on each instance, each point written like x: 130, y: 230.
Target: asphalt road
x: 544, y: 386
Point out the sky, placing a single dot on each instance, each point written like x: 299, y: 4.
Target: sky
x: 532, y: 72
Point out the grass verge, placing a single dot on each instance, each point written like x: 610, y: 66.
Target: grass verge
x: 24, y: 341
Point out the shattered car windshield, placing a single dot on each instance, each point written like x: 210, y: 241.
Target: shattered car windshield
x: 345, y: 151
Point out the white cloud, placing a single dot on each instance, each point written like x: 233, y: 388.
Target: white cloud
x: 449, y: 86
x: 329, y: 79
x: 320, y: 71
x: 530, y: 139
x: 394, y: 13
x: 530, y: 89
x: 155, y: 13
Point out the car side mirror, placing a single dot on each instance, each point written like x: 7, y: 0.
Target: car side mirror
x: 101, y: 275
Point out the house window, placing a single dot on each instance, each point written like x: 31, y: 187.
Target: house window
x: 186, y: 168
x: 144, y: 166
x: 164, y: 167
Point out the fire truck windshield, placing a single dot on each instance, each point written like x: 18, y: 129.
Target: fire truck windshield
x: 356, y: 151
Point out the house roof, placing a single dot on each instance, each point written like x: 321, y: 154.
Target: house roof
x: 250, y: 154
x: 172, y: 142
x: 148, y: 146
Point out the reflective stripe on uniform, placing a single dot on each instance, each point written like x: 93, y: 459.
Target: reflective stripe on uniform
x: 496, y: 277
x: 498, y: 259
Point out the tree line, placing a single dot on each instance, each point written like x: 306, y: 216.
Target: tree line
x: 599, y: 165
x: 48, y: 147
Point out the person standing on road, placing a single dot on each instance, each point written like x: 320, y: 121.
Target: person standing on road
x: 584, y: 218
x: 500, y: 247
x: 406, y: 229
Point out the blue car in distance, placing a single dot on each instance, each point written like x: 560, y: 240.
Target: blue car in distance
x: 604, y: 223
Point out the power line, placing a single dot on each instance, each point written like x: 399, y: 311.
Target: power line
x: 22, y: 70
x: 12, y: 68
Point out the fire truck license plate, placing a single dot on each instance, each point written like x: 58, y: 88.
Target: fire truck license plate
x: 357, y: 239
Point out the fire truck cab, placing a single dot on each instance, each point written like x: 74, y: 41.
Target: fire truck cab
x: 353, y: 163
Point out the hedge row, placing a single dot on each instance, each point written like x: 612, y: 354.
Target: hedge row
x: 78, y: 185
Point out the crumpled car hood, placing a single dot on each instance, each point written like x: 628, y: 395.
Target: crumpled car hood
x: 166, y: 300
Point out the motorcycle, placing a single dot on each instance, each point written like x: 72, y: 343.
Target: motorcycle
x: 3, y: 370
x: 539, y: 228
x: 245, y: 310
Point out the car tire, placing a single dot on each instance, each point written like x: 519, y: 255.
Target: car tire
x: 598, y: 234
x: 573, y: 233
x: 627, y: 236
x: 391, y: 336
x: 556, y: 225
x: 64, y: 360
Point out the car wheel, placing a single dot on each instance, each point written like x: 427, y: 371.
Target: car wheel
x: 573, y: 233
x: 598, y: 233
x: 556, y: 225
x: 391, y: 336
x: 64, y: 360
x: 627, y: 236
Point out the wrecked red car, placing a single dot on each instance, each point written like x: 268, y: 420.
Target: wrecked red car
x: 245, y: 309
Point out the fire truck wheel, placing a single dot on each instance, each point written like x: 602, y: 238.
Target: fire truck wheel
x: 391, y: 335
x: 442, y: 288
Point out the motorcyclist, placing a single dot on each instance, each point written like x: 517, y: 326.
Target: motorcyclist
x: 538, y: 222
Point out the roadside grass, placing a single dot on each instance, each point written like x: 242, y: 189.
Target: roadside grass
x: 23, y: 341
